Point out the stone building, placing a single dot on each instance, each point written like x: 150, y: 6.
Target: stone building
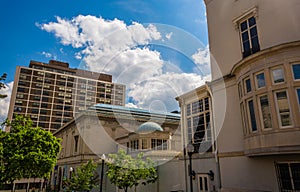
x: 255, y: 96
x: 103, y: 129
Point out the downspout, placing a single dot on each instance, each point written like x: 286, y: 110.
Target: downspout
x: 215, y: 144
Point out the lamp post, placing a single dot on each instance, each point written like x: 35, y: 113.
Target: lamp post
x: 71, y: 170
x: 103, y: 157
x: 190, y: 151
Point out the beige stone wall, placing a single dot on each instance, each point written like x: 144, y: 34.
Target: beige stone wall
x: 274, y: 17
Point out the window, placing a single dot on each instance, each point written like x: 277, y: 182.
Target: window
x: 265, y: 113
x: 296, y: 71
x: 260, y: 80
x: 76, y: 143
x: 247, y: 85
x: 252, y: 115
x: 198, y: 123
x: 144, y: 144
x: 134, y: 145
x: 278, y: 75
x: 249, y: 37
x: 283, y: 108
x: 159, y: 144
x: 288, y: 175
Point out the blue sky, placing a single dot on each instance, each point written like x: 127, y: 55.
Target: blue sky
x: 30, y: 31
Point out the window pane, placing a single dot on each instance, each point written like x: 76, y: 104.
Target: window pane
x: 248, y: 85
x: 245, y: 36
x: 296, y: 71
x: 278, y: 75
x: 265, y: 112
x: 295, y: 168
x: 246, y: 46
x: 252, y: 115
x: 255, y: 44
x: 260, y: 79
x: 251, y: 21
x: 253, y: 32
x: 284, y: 176
x: 244, y: 26
x: 188, y: 109
x: 283, y: 108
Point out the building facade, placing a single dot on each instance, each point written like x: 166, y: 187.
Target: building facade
x: 255, y: 95
x: 104, y: 129
x: 51, y: 94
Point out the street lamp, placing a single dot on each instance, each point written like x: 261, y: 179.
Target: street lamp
x: 103, y: 157
x: 71, y: 170
x: 190, y: 150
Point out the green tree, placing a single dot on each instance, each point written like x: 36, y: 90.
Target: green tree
x: 2, y: 85
x: 126, y: 172
x: 28, y: 152
x: 84, y: 179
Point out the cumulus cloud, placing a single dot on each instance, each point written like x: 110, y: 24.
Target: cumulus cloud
x: 202, y: 60
x: 120, y: 49
x: 4, y: 103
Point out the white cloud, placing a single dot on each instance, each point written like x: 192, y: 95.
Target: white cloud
x: 4, y: 103
x: 46, y: 54
x: 202, y: 59
x: 113, y: 47
x: 169, y: 35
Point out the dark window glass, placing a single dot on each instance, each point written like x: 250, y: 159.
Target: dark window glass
x: 248, y: 85
x: 244, y: 26
x: 252, y: 115
x: 44, y: 105
x: 296, y: 71
x: 21, y: 89
x: 298, y: 93
x: 284, y: 177
x: 44, y: 112
x: 252, y: 21
x: 35, y: 111
x: 188, y: 109
x: 249, y: 37
x: 295, y: 168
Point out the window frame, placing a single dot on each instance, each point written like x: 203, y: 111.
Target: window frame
x: 272, y: 75
x: 261, y: 113
x: 257, y: 82
x: 292, y: 69
x: 277, y: 108
x: 290, y: 172
x: 246, y: 19
x: 250, y: 118
x: 245, y: 85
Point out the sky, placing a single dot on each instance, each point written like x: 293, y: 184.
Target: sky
x: 158, y: 49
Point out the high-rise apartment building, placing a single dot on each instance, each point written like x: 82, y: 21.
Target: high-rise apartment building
x: 51, y: 94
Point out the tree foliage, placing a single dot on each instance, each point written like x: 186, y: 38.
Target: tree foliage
x: 2, y: 85
x: 28, y: 152
x: 84, y: 179
x: 126, y: 172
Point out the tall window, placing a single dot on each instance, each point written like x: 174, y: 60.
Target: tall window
x: 260, y: 80
x: 134, y: 145
x: 248, y: 85
x: 283, y: 108
x: 249, y: 36
x: 76, y: 143
x: 159, y: 144
x: 252, y: 115
x: 265, y: 113
x: 288, y: 175
x: 198, y: 123
x: 296, y: 71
